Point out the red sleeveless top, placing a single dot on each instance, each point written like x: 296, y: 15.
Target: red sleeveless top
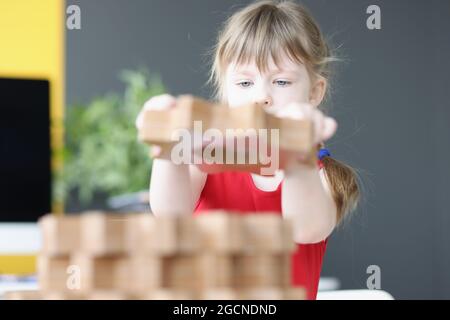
x: 232, y: 190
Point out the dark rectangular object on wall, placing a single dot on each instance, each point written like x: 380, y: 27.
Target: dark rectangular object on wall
x: 25, y: 152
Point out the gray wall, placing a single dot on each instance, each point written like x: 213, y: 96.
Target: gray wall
x: 391, y: 100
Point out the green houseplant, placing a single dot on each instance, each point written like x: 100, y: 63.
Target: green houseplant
x: 102, y: 153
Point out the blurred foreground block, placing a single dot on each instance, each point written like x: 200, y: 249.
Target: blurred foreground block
x: 215, y: 255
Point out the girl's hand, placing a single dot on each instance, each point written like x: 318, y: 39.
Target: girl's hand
x: 160, y: 102
x: 324, y: 127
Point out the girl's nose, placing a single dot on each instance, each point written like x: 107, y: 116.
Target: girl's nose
x: 264, y: 101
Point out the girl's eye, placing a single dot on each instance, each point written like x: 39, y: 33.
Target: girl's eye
x: 282, y: 83
x: 244, y: 84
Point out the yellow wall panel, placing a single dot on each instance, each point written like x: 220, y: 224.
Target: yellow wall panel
x: 17, y: 264
x: 32, y: 46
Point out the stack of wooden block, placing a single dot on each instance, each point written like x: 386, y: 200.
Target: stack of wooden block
x: 217, y: 255
x: 282, y: 135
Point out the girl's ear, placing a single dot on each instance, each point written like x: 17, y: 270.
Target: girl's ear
x: 317, y: 91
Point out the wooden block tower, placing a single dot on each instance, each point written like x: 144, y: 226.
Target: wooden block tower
x: 214, y: 255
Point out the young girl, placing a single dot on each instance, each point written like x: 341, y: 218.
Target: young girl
x: 272, y: 54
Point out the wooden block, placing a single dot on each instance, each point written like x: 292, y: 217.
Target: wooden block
x: 146, y: 275
x: 261, y: 270
x: 53, y: 273
x: 287, y: 231
x: 263, y: 293
x: 267, y: 232
x: 163, y: 235
x: 103, y: 234
x: 147, y: 234
x: 220, y: 231
x: 197, y: 109
x: 23, y: 295
x: 188, y: 235
x: 218, y: 294
x: 108, y: 295
x: 159, y: 125
x: 59, y: 295
x: 286, y: 269
x: 169, y: 294
x: 60, y: 234
x: 100, y: 273
x: 295, y: 293
x: 221, y: 117
x: 294, y: 135
x: 129, y: 274
x: 197, y: 272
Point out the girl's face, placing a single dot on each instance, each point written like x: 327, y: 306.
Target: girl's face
x: 244, y: 84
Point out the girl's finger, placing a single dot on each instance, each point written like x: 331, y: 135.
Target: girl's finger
x: 329, y: 128
x: 138, y: 123
x: 273, y: 110
x: 155, y: 151
x: 160, y: 102
x: 294, y: 111
x: 318, y: 121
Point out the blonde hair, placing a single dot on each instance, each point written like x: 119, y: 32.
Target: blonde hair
x: 258, y: 31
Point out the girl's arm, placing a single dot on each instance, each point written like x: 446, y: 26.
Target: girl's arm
x: 174, y: 189
x: 306, y: 196
x: 306, y: 199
